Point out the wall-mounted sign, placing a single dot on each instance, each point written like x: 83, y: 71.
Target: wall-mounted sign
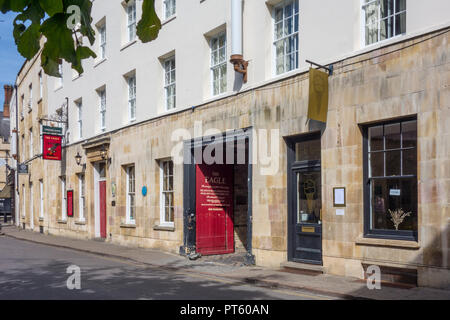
x: 55, y: 131
x: 70, y: 203
x: 144, y: 191
x: 51, y: 147
x: 340, y: 212
x: 22, y: 168
x: 395, y: 192
x: 318, y: 95
x: 339, y: 197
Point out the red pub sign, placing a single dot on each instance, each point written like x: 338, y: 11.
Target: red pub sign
x: 52, y: 147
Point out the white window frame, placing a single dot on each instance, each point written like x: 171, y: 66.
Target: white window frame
x: 41, y: 199
x: 217, y: 66
x: 364, y: 22
x: 81, y: 197
x: 131, y: 80
x: 131, y: 193
x: 163, y: 193
x: 102, y: 45
x: 63, y: 199
x: 169, y: 8
x: 170, y: 82
x: 131, y: 21
x: 79, y: 105
x: 294, y: 34
x: 102, y: 98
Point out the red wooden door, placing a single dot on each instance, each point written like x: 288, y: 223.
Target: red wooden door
x: 102, y: 199
x: 214, y: 209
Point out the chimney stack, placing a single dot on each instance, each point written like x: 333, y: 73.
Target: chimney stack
x: 8, y: 94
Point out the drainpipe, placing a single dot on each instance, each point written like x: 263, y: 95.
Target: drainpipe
x: 237, y: 58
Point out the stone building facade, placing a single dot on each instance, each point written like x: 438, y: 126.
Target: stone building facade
x: 128, y: 187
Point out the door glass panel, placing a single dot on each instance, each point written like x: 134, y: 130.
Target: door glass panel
x: 307, y: 150
x: 309, y: 198
x: 102, y: 170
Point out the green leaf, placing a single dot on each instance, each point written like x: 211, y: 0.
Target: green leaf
x: 52, y: 7
x: 82, y: 54
x: 149, y: 26
x: 59, y: 44
x: 28, y: 43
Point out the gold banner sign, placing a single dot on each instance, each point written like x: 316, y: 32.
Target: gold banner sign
x: 318, y: 95
x: 309, y: 229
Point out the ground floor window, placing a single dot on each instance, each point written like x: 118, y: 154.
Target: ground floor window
x: 82, y: 199
x: 391, y: 172
x: 63, y: 199
x: 166, y: 197
x: 131, y: 205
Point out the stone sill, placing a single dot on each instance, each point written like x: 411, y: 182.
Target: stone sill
x: 41, y: 219
x: 164, y: 228
x: 127, y: 45
x: 80, y: 223
x: 62, y: 221
x: 128, y: 226
x: 387, y: 243
x: 303, y: 266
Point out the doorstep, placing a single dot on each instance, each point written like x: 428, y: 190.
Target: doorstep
x: 302, y: 267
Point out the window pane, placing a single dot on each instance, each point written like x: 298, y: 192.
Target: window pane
x: 386, y: 28
x: 410, y: 162
x: 376, y: 161
x: 376, y: 138
x: 400, y: 5
x: 386, y: 8
x: 392, y: 134
x: 400, y: 23
x: 392, y: 200
x: 393, y: 163
x: 308, y: 150
x: 409, y: 134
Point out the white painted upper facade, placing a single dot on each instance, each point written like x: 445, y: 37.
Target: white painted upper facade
x: 327, y: 31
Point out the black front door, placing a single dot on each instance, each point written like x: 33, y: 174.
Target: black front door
x: 305, y: 200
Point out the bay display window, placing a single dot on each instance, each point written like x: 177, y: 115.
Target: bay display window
x: 170, y: 83
x: 286, y: 18
x: 219, y: 64
x: 169, y: 8
x: 131, y: 21
x: 383, y: 19
x: 132, y: 98
x: 166, y: 187
x: 391, y: 172
x: 102, y: 110
x: 131, y: 193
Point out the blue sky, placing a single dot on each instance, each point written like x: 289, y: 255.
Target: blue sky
x: 10, y: 59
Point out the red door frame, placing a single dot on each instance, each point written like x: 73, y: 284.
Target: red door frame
x: 214, y: 209
x: 102, y: 204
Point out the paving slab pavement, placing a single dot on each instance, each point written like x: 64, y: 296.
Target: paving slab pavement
x: 340, y: 287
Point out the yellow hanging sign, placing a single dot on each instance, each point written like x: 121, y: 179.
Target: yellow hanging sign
x: 318, y: 95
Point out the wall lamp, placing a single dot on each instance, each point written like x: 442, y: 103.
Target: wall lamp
x: 78, y: 160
